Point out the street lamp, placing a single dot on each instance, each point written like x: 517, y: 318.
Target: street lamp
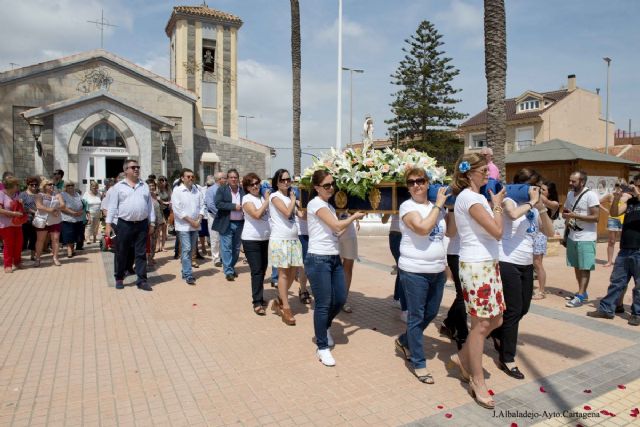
x: 606, y: 124
x: 351, y: 71
x: 339, y: 112
x: 165, y: 134
x: 36, y: 126
x: 246, y: 126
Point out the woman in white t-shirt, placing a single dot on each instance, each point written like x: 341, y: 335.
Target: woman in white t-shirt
x: 93, y: 200
x: 521, y: 222
x: 323, y: 265
x: 421, y: 266
x: 285, y: 250
x: 480, y: 229
x: 255, y: 237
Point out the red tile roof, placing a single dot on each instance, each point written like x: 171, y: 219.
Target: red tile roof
x: 629, y: 152
x: 202, y: 11
x: 510, y: 107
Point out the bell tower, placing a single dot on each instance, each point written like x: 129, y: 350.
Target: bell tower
x: 204, y: 59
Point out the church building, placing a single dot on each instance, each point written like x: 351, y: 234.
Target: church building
x: 87, y: 112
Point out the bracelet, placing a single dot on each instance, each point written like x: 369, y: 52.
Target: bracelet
x: 441, y: 208
x: 530, y: 205
x: 498, y: 209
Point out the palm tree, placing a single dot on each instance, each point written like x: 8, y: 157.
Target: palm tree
x: 495, y: 66
x: 296, y: 65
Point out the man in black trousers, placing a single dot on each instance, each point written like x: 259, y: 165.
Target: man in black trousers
x: 132, y: 206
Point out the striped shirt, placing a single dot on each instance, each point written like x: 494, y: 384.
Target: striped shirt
x: 130, y: 203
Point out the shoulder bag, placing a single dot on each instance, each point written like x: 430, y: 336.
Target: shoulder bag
x: 565, y: 238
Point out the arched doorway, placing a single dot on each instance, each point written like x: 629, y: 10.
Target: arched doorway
x: 98, y: 148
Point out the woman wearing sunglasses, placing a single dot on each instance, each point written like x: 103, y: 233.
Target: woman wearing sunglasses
x: 480, y: 229
x: 28, y: 198
x: 421, y: 266
x: 49, y: 205
x: 285, y: 249
x: 521, y: 222
x: 322, y: 264
x: 255, y: 237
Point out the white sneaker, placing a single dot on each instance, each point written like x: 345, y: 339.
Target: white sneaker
x: 325, y: 357
x: 404, y: 315
x: 575, y: 302
x: 330, y: 341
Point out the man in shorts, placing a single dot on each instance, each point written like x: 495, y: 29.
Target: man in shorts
x: 582, y: 220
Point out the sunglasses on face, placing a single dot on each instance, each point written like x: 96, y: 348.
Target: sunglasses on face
x: 255, y: 184
x: 189, y: 176
x: 285, y: 180
x: 417, y: 181
x: 135, y: 168
x: 328, y: 186
x: 33, y: 185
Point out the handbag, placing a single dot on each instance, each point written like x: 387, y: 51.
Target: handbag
x: 40, y: 221
x: 565, y: 237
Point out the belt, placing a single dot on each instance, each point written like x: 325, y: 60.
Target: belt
x: 132, y: 222
x: 236, y: 220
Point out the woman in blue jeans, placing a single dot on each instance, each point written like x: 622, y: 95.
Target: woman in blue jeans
x: 322, y: 263
x: 421, y: 266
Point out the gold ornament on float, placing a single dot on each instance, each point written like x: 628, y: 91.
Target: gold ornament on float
x: 374, y: 198
x: 341, y: 199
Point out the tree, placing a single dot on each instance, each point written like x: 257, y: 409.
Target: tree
x: 424, y: 104
x: 296, y: 65
x: 495, y: 68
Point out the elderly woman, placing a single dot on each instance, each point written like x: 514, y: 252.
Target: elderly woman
x: 255, y: 237
x: 480, y: 229
x: 72, y: 213
x: 421, y: 265
x: 285, y: 249
x: 28, y: 198
x: 93, y: 201
x: 48, y: 210
x: 323, y: 265
x: 11, y: 210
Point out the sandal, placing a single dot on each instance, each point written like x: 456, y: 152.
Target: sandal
x: 455, y: 359
x: 56, y: 262
x: 259, y: 310
x: 423, y: 375
x: 402, y: 349
x: 347, y: 308
x: 486, y: 402
x: 538, y: 296
x: 305, y: 298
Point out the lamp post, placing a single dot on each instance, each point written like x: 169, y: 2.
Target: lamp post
x: 351, y: 71
x: 165, y: 135
x: 339, y: 112
x: 246, y: 126
x: 606, y: 123
x: 36, y: 126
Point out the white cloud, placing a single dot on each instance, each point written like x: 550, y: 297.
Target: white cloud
x: 38, y: 30
x: 159, y: 64
x: 350, y: 29
x: 466, y: 19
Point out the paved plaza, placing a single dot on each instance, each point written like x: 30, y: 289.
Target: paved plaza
x: 76, y: 352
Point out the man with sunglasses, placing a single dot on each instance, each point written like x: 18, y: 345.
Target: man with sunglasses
x: 131, y: 205
x: 187, y: 203
x: 229, y: 222
x: 210, y: 202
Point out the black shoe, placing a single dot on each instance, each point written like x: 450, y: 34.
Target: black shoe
x: 235, y: 275
x: 198, y: 256
x: 176, y: 256
x: 634, y: 320
x: 230, y: 277
x: 217, y: 264
x: 600, y: 314
x: 444, y: 330
x: 191, y: 281
x: 119, y: 284
x: 513, y: 372
x: 620, y: 309
x: 144, y: 286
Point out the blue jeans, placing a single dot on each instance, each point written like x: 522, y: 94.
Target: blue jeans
x: 230, y: 246
x: 326, y: 276
x: 188, y: 241
x: 627, y: 265
x: 424, y: 294
x: 394, y: 245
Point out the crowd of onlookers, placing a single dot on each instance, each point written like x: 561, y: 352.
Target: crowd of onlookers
x: 489, y: 243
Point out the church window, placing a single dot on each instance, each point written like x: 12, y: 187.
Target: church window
x: 208, y: 56
x: 103, y: 135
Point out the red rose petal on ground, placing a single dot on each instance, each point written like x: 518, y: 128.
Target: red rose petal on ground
x: 514, y: 424
x: 542, y: 390
x: 440, y: 407
x: 448, y: 415
x: 587, y: 391
x: 604, y: 412
x: 635, y: 412
x: 194, y: 305
x: 587, y: 407
x: 622, y: 387
x: 491, y: 393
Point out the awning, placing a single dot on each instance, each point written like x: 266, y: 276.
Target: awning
x: 209, y: 158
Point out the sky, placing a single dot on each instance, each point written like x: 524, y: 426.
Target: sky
x: 546, y: 41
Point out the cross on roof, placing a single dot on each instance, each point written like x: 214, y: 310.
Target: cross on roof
x: 102, y: 24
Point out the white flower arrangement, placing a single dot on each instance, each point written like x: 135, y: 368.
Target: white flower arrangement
x: 357, y: 173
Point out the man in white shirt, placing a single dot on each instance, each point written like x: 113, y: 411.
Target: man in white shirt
x: 210, y: 204
x: 582, y: 220
x: 187, y: 203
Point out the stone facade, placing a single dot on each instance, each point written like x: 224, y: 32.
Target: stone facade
x: 246, y: 159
